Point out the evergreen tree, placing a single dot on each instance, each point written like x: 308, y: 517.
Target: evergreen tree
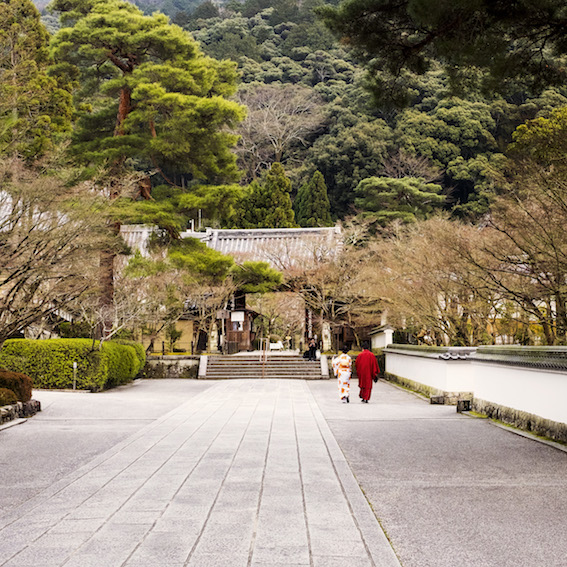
x: 408, y: 199
x: 154, y: 96
x: 268, y: 205
x: 34, y: 106
x: 151, y: 101
x: 311, y: 205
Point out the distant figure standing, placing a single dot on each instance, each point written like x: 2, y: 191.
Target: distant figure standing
x: 367, y: 371
x: 312, y: 349
x: 342, y: 368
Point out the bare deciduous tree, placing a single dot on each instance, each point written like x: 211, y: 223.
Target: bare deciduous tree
x: 279, y: 117
x: 47, y: 247
x: 401, y: 164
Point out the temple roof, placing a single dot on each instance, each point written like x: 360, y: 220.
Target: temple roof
x: 281, y: 247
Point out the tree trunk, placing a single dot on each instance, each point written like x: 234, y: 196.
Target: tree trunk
x: 124, y: 108
x: 108, y: 255
x: 106, y: 277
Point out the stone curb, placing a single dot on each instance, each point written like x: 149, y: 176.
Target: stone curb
x: 19, y: 410
x: 13, y: 423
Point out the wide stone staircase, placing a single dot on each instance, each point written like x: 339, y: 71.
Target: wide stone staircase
x: 252, y: 366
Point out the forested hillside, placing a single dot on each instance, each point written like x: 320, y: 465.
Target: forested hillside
x: 450, y: 122
x: 310, y: 106
x: 450, y: 135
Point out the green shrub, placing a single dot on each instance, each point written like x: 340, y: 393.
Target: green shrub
x: 138, y: 347
x: 50, y: 362
x: 7, y: 397
x: 19, y: 384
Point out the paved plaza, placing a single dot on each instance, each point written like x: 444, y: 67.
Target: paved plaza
x: 244, y: 473
x: 273, y: 473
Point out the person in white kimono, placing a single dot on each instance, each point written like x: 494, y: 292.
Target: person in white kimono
x: 342, y: 368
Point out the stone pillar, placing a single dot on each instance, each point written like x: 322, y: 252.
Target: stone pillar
x: 326, y: 338
x: 214, y: 338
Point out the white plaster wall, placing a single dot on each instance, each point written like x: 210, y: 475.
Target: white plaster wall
x: 532, y: 390
x: 383, y: 339
x: 446, y: 375
x: 537, y: 391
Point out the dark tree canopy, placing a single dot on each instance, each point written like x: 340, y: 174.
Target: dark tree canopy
x: 521, y: 39
x: 152, y: 94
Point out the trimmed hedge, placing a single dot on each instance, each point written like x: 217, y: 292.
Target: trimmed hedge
x: 7, y: 397
x: 19, y: 384
x: 50, y: 362
x: 138, y: 348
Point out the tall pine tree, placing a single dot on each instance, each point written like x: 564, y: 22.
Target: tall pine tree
x: 311, y: 205
x: 150, y: 93
x: 151, y: 101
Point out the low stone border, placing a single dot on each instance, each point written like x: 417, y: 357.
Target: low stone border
x: 19, y: 410
x: 435, y: 395
x: 171, y: 367
x: 522, y: 420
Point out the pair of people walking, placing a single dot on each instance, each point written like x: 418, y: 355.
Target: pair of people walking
x: 366, y: 369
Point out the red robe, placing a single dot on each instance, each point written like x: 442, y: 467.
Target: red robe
x: 366, y: 370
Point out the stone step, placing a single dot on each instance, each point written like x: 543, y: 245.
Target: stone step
x: 275, y: 367
x: 260, y: 377
x: 259, y: 371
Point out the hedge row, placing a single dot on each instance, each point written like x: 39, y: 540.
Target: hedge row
x: 50, y: 362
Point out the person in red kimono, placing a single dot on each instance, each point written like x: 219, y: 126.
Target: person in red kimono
x: 367, y: 371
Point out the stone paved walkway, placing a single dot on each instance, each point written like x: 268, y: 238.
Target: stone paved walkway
x: 247, y: 473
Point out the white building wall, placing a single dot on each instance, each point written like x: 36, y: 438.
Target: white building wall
x: 454, y: 375
x: 536, y: 391
x: 525, y: 380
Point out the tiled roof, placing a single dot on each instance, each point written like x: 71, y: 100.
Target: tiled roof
x: 281, y: 247
x: 137, y: 236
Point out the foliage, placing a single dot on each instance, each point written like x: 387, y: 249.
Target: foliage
x: 196, y: 260
x: 35, y: 105
x: 151, y: 93
x: 256, y: 277
x: 543, y: 139
x: 407, y: 199
x: 50, y: 362
x: 19, y: 384
x: 346, y: 156
x: 74, y: 330
x: 138, y: 349
x: 7, y: 397
x: 217, y: 203
x: 173, y: 335
x: 311, y: 204
x: 268, y: 204
x: 513, y: 40
x: 449, y: 124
